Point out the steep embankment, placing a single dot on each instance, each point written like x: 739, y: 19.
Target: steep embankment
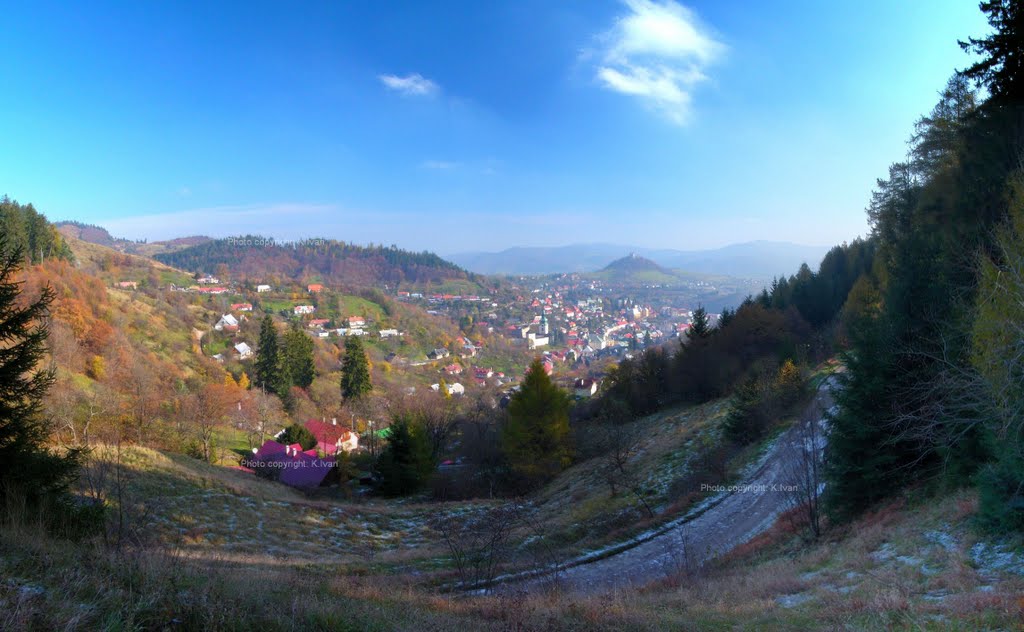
x: 711, y: 530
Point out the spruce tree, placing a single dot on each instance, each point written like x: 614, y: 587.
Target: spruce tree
x: 406, y: 463
x: 699, y: 328
x: 26, y: 465
x: 265, y: 370
x: 862, y: 464
x: 536, y: 439
x: 355, y: 370
x: 298, y: 356
x: 1001, y: 69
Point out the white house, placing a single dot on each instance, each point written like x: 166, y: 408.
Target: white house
x: 244, y: 351
x: 388, y: 333
x: 304, y: 309
x: 585, y: 387
x: 262, y: 288
x: 537, y: 341
x: 227, y: 322
x: 453, y: 389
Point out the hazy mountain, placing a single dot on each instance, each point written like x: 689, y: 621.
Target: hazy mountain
x: 756, y: 259
x: 632, y: 263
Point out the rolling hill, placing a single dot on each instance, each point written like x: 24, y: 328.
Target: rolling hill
x: 636, y: 269
x: 253, y: 257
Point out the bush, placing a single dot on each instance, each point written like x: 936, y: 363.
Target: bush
x: 1001, y: 493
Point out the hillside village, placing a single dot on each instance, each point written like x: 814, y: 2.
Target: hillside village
x: 241, y: 432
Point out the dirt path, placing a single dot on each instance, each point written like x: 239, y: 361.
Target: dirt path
x: 734, y: 518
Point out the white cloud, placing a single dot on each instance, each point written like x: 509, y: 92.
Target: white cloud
x: 658, y: 52
x: 414, y: 85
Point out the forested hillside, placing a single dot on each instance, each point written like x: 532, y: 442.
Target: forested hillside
x: 934, y: 391
x: 28, y: 229
x: 324, y: 260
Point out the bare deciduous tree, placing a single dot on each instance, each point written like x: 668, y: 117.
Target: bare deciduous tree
x: 806, y: 474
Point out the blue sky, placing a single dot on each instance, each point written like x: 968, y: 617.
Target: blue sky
x: 457, y: 126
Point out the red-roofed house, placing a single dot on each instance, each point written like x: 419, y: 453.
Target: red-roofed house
x: 315, y: 288
x: 331, y: 437
x: 241, y: 307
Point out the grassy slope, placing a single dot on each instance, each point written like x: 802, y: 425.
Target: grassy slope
x: 908, y: 566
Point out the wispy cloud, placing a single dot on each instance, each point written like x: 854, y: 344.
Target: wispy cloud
x: 414, y: 85
x: 657, y: 52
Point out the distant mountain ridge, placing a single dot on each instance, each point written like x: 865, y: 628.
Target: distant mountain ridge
x: 755, y: 259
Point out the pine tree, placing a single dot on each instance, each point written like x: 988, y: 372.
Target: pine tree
x: 536, y: 439
x: 26, y: 465
x: 355, y: 371
x: 298, y: 355
x: 265, y: 369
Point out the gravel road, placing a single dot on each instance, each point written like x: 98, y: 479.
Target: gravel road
x: 739, y: 514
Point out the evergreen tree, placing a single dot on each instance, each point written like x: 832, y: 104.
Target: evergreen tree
x: 746, y: 421
x: 265, y: 369
x: 536, y: 438
x: 406, y: 464
x: 699, y: 327
x: 26, y: 465
x: 863, y: 457
x: 355, y: 370
x: 298, y: 356
x: 1001, y: 69
x: 301, y: 435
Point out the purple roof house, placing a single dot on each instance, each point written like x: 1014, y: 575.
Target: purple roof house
x: 294, y: 467
x: 306, y: 470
